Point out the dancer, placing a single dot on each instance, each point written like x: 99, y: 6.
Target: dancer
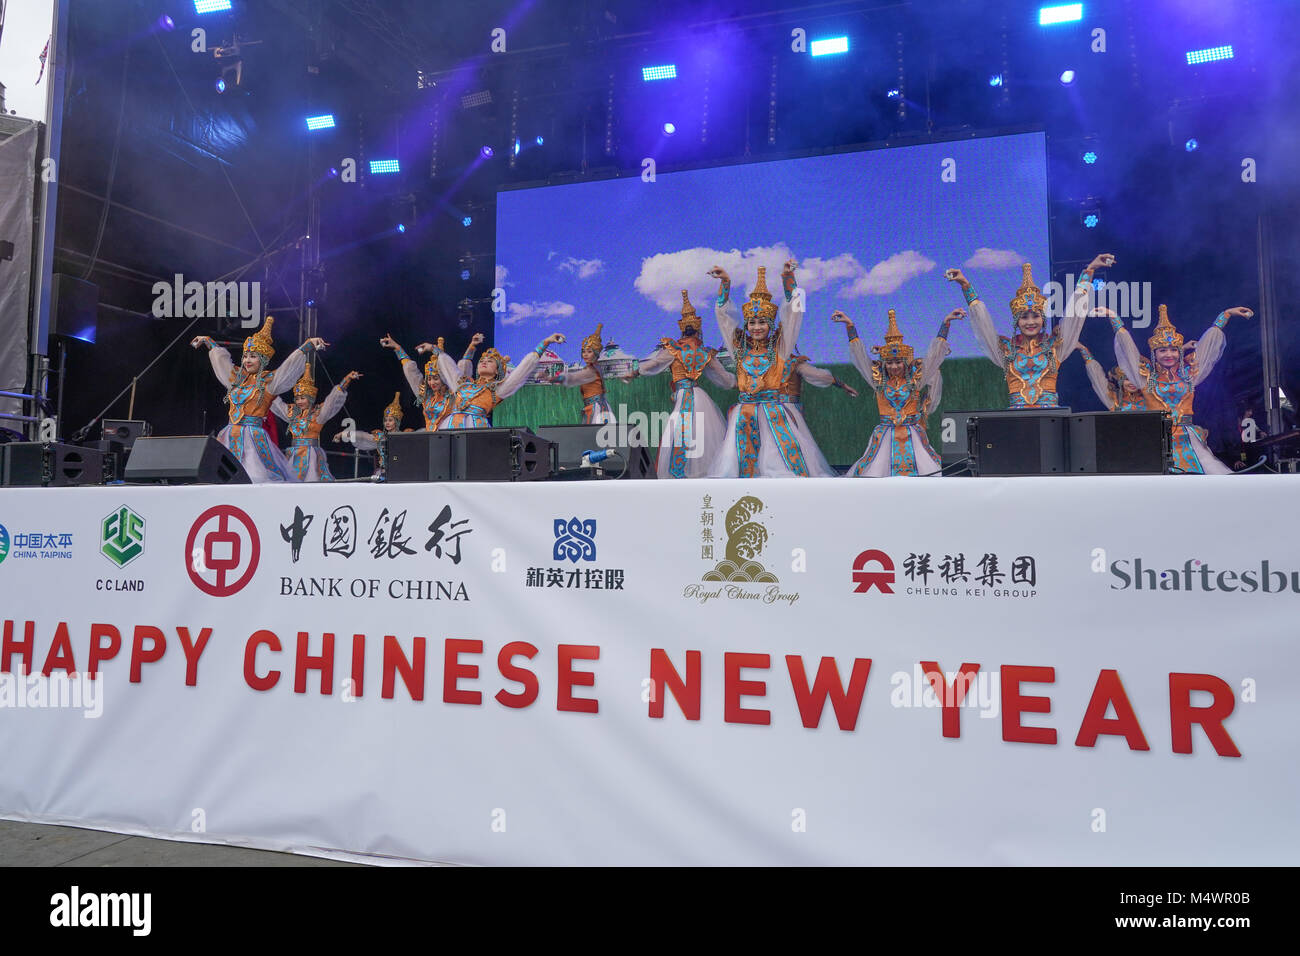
x: 907, y: 391
x: 587, y: 377
x: 695, y: 426
x: 766, y: 437
x: 250, y: 389
x: 1116, y: 391
x: 1030, y: 359
x: 1169, y: 385
x: 429, y: 389
x: 471, y: 401
x: 305, y: 420
x: 377, y: 441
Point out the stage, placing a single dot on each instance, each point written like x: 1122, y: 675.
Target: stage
x: 694, y: 672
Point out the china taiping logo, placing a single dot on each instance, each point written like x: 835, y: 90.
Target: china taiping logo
x: 4, y: 544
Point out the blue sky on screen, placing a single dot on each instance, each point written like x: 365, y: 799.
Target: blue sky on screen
x: 871, y: 230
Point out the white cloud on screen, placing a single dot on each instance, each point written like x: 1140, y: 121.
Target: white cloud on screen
x: 501, y: 273
x: 885, y: 277
x: 582, y: 268
x: 520, y: 312
x: 986, y: 258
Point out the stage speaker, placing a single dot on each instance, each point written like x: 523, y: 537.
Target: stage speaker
x: 954, y: 433
x: 419, y: 456
x: 74, y: 307
x: 189, y: 460
x: 1017, y: 443
x: 49, y: 464
x: 125, y: 430
x: 501, y: 454
x: 1120, y: 443
x: 572, y: 440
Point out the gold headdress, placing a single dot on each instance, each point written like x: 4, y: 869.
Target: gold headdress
x: 893, y: 347
x: 690, y: 318
x: 1165, y: 336
x: 1117, y: 376
x: 1028, y: 296
x: 501, y: 360
x: 593, y: 340
x: 394, y: 409
x: 306, y: 385
x: 760, y: 300
x: 260, y: 341
x: 432, y: 364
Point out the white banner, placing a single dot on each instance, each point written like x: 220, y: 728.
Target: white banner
x: 695, y: 672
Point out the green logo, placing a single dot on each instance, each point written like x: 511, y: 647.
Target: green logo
x: 4, y: 543
x: 121, y: 538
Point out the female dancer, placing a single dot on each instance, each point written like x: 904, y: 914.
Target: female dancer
x: 1031, y: 359
x: 250, y: 389
x: 695, y: 426
x: 305, y: 420
x: 766, y: 437
x: 907, y: 391
x: 587, y: 377
x: 471, y: 401
x: 376, y: 441
x: 1169, y: 385
x: 429, y: 389
x: 1116, y: 391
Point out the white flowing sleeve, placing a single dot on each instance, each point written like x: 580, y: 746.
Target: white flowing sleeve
x: 466, y: 367
x: 364, y: 441
x: 280, y: 409
x: 222, y: 366
x: 791, y: 319
x: 727, y: 325
x: 576, y: 377
x: 718, y: 375
x: 933, y: 361
x: 1076, y: 313
x: 332, y: 404
x: 981, y: 324
x: 1130, y: 361
x: 519, y: 375
x: 1209, y: 349
x: 821, y: 377
x: 1100, y: 384
x: 861, y: 361
x: 287, y: 375
x: 656, y: 363
x: 414, y: 379
x: 449, y: 371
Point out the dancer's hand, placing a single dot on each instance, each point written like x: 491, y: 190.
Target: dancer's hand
x: 1239, y: 312
x: 423, y: 347
x: 789, y: 267
x: 667, y: 343
x: 838, y: 316
x: 318, y: 344
x: 339, y: 436
x: 201, y: 340
x: 1103, y: 312
x: 389, y: 342
x: 1103, y: 261
x: 349, y: 379
x: 477, y: 340
x: 851, y: 390
x: 555, y: 338
x: 955, y: 275
x: 720, y: 274
x: 954, y: 315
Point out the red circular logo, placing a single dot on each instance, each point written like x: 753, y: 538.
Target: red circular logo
x: 222, y: 550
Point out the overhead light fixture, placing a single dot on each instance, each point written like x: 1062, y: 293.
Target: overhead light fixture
x: 1067, y: 77
x: 471, y: 100
x: 325, y: 121
x: 666, y: 72
x: 211, y: 6
x: 381, y: 167
x: 1064, y: 13
x: 829, y: 46
x: 1209, y: 56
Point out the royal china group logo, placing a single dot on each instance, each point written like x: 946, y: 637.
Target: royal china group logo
x: 575, y: 542
x: 222, y: 551
x: 735, y: 547
x: 947, y: 575
x: 121, y: 536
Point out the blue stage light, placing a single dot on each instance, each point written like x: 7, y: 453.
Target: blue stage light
x: 1091, y: 220
x: 1090, y: 157
x: 401, y: 227
x: 467, y: 221
x: 334, y: 172
x: 220, y: 86
x: 895, y: 94
x: 464, y: 275
x: 516, y: 147
x: 211, y: 6
x: 828, y: 46
x: 540, y: 141
x: 382, y: 167
x: 1067, y: 77
x: 486, y: 152
x: 1099, y: 284
x: 166, y: 23
x: 1191, y: 145
x: 1207, y: 56
x: 665, y: 72
x: 1063, y: 13
x: 995, y: 79
x: 324, y: 121
x: 669, y: 129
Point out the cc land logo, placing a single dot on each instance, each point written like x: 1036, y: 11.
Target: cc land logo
x: 4, y: 543
x: 121, y: 536
x: 222, y: 551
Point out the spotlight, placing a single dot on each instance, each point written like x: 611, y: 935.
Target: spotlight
x: 334, y: 172
x: 486, y: 152
x: 1064, y: 13
x: 995, y: 79
x: 401, y: 227
x: 325, y: 121
x: 1090, y: 157
x: 380, y: 167
x: 540, y: 141
x: 310, y: 303
x: 467, y: 221
x: 1191, y: 145
x: 220, y: 85
x: 666, y: 72
x: 211, y: 6
x: 1099, y: 284
x: 464, y: 275
x: 669, y: 129
x: 1207, y: 56
x: 895, y: 94
x: 1067, y: 77
x: 479, y: 98
x: 166, y: 23
x: 828, y: 46
x: 1091, y: 220
x: 516, y: 147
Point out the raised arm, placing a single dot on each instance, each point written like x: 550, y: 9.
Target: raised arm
x: 1126, y: 351
x: 410, y: 370
x: 938, y: 350
x: 522, y: 372
x: 218, y: 358
x: 290, y: 370
x: 334, y: 400
x: 718, y: 375
x: 660, y: 359
x: 857, y: 351
x: 574, y: 377
x: 981, y: 323
x: 791, y: 311
x: 280, y: 409
x: 1097, y: 378
x: 1209, y: 348
x: 724, y: 310
x: 1079, y: 307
